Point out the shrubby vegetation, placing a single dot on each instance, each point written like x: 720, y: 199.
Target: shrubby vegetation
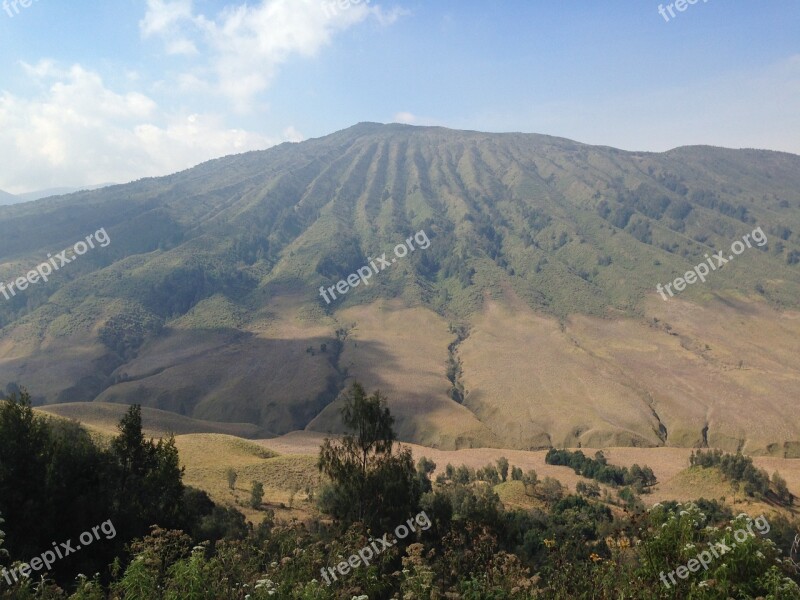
x: 574, y: 546
x: 740, y: 470
x: 56, y: 482
x: 598, y: 468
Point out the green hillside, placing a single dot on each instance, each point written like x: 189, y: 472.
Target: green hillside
x: 206, y: 302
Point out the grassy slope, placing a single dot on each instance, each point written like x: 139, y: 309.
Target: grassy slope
x: 104, y: 417
x: 671, y: 466
x: 205, y: 302
x: 286, y: 466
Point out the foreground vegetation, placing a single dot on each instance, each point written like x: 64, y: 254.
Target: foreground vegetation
x: 173, y: 543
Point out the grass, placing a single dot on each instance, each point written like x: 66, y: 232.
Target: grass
x: 104, y: 417
x: 286, y: 479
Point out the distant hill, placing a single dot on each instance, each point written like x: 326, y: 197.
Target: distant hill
x: 531, y: 320
x: 6, y: 198
x: 156, y: 423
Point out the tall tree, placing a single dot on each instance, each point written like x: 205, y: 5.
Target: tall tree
x: 149, y: 478
x: 502, y: 468
x: 371, y: 484
x: 23, y: 472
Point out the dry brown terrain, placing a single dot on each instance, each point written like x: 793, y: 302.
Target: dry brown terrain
x: 725, y: 373
x: 386, y: 350
x: 104, y: 417
x: 671, y: 466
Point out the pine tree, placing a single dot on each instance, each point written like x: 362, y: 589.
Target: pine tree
x: 370, y: 483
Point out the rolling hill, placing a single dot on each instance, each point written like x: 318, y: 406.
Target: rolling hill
x: 532, y: 318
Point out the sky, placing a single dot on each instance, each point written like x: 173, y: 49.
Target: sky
x: 99, y: 92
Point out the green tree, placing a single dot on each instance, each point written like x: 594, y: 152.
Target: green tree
x: 23, y: 474
x: 3, y: 551
x: 231, y: 475
x: 516, y: 474
x: 489, y: 474
x: 425, y: 467
x: 781, y: 490
x: 550, y: 490
x: 502, y: 468
x: 370, y: 483
x: 256, y: 494
x: 463, y: 475
x: 530, y: 480
x: 590, y: 489
x: 149, y: 479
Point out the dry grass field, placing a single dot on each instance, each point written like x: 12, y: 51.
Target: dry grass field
x: 286, y: 479
x: 671, y: 466
x: 104, y: 416
x: 726, y: 372
x: 286, y: 466
x: 386, y: 350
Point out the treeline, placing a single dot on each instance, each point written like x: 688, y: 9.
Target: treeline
x: 56, y: 482
x: 640, y: 478
x: 548, y: 489
x: 740, y: 469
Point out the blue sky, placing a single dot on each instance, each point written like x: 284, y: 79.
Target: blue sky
x: 96, y: 92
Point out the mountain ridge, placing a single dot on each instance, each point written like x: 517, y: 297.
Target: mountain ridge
x: 214, y: 271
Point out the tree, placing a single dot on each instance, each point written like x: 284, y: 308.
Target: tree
x: 781, y: 490
x: 550, y: 490
x: 23, y: 473
x: 502, y: 467
x: 55, y: 480
x: 590, y: 490
x: 149, y: 479
x: 231, y: 474
x: 516, y: 474
x: 256, y: 494
x: 463, y: 475
x: 370, y: 483
x: 530, y: 481
x: 3, y: 551
x: 489, y: 474
x: 425, y: 467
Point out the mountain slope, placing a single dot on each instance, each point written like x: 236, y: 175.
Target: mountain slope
x: 206, y: 302
x: 6, y: 198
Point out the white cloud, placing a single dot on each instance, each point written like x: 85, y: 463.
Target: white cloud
x: 181, y: 46
x: 163, y: 17
x: 80, y: 132
x: 408, y: 118
x: 243, y: 46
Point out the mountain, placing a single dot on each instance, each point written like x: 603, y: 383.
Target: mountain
x: 532, y: 318
x: 6, y: 198
x: 58, y: 191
